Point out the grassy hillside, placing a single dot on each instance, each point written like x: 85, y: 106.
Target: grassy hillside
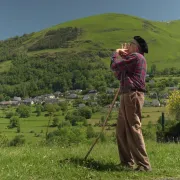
x: 46, y: 61
x: 107, y: 31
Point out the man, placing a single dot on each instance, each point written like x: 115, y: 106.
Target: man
x: 131, y: 69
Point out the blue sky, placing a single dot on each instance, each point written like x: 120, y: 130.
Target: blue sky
x: 25, y: 16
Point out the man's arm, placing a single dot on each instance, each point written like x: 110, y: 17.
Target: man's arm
x: 123, y: 64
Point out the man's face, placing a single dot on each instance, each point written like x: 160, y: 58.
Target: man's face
x: 133, y: 47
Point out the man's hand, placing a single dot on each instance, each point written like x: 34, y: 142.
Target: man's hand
x: 123, y: 51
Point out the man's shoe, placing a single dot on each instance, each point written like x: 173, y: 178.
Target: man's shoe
x: 143, y: 169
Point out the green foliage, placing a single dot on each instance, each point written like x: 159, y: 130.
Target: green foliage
x: 17, y: 141
x: 14, y: 122
x: 9, y: 114
x: 149, y: 131
x: 66, y: 136
x: 55, y: 121
x: 24, y: 111
x: 56, y: 39
x: 31, y: 76
x: 50, y: 108
x: 64, y: 106
x: 3, y: 140
x: 18, y: 128
x: 85, y: 112
x: 90, y: 133
x: 39, y: 109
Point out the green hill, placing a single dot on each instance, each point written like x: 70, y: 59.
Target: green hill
x: 31, y: 61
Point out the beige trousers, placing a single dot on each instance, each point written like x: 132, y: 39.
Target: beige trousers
x: 130, y: 140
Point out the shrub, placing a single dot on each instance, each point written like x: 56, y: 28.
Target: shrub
x: 3, y: 140
x: 24, y: 111
x: 90, y: 133
x: 17, y: 141
x: 14, y: 122
x: 9, y: 114
x: 55, y: 121
x: 66, y: 136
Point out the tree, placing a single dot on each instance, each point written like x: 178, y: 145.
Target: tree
x: 50, y: 108
x: 85, y: 112
x: 14, y: 122
x: 38, y: 109
x: 173, y: 104
x: 24, y: 111
x: 90, y: 132
x: 55, y: 122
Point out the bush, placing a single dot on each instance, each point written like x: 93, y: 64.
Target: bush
x: 64, y: 124
x: 85, y: 112
x: 24, y: 111
x: 90, y: 133
x: 14, y: 122
x: 3, y: 140
x: 9, y: 114
x: 17, y: 141
x: 66, y: 136
x: 55, y: 121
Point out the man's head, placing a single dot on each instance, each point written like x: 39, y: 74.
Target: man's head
x: 138, y: 44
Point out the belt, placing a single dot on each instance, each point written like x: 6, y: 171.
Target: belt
x: 140, y: 90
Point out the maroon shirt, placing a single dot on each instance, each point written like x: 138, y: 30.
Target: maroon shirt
x: 131, y: 71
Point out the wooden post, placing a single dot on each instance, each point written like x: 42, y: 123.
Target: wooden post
x: 162, y: 121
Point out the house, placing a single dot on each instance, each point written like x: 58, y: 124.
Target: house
x: 49, y: 96
x: 16, y: 98
x: 93, y: 92
x: 86, y: 97
x: 110, y: 91
x: 5, y: 103
x: 57, y: 94
x: 28, y: 101
x: 78, y: 90
x: 51, y: 101
x: 15, y: 103
x: 73, y: 96
x: 156, y: 103
x: 81, y: 105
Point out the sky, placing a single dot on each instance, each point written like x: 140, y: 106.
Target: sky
x: 25, y: 16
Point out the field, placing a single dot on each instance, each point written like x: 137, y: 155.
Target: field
x: 66, y: 163
x: 34, y: 127
x: 39, y: 161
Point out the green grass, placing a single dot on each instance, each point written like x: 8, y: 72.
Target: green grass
x: 38, y: 124
x: 110, y: 30
x: 66, y: 163
x: 5, y: 66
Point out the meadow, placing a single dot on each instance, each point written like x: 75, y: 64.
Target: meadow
x: 34, y: 127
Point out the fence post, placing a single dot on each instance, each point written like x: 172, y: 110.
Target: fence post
x: 162, y: 121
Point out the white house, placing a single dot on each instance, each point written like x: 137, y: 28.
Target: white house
x: 16, y: 98
x: 86, y: 97
x: 156, y: 103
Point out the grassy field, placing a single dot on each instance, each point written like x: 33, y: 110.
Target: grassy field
x: 38, y: 161
x: 108, y: 31
x: 67, y: 163
x: 34, y: 127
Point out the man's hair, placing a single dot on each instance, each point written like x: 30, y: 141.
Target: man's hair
x: 142, y: 43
